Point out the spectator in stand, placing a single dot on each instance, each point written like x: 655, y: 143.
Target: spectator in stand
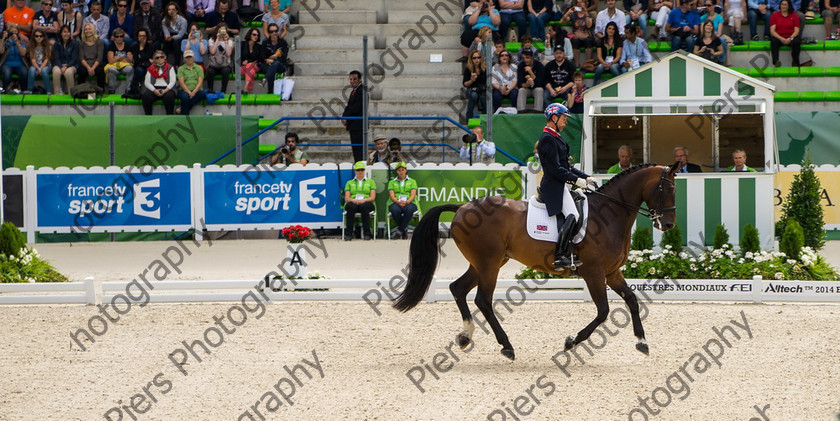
x: 219, y: 60
x: 483, y: 15
x: 120, y: 61
x: 197, y: 10
x: 159, y: 83
x: 784, y: 29
x: 149, y: 19
x: 530, y: 74
x: 582, y: 32
x: 12, y: 54
x: 195, y: 41
x: 65, y: 60
x: 276, y: 51
x: 191, y: 82
x: 717, y: 23
x: 174, y: 30
x: 499, y: 49
x: 661, y: 9
x: 276, y: 16
x: 708, y: 46
x: 681, y: 154
x: 380, y: 152
x: 734, y: 14
x: 483, y: 151
x: 70, y: 17
x: 636, y: 11
x: 402, y: 191
x: 291, y: 154
x: 830, y: 14
x: 38, y: 56
x: 249, y: 10
x: 512, y: 11
x: 223, y: 14
x: 634, y: 51
x: 609, y: 53
x: 478, y: 42
x: 759, y: 9
x: 539, y: 13
x: 504, y: 81
x: 46, y: 20
x: 354, y: 109
x: 575, y: 99
x: 683, y: 25
x: 121, y: 19
x: 739, y: 161
x: 475, y: 82
x: 253, y: 58
x: 558, y: 76
x: 101, y: 22
x: 610, y: 14
x: 359, y: 195
x: 19, y: 16
x: 625, y: 155
x: 527, y: 45
x: 558, y: 36
x: 143, y: 51
x: 91, y: 51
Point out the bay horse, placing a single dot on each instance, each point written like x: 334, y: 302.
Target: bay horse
x: 491, y: 230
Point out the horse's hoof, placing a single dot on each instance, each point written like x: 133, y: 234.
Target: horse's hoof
x: 570, y: 343
x: 509, y: 353
x: 643, y: 348
x: 463, y: 340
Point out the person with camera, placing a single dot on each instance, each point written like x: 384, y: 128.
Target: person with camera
x: 402, y: 190
x: 683, y: 24
x: 20, y: 17
x: 13, y: 51
x: 195, y: 41
x: 558, y: 174
x: 219, y: 59
x: 484, y: 15
x: 476, y: 149
x: 289, y: 153
x: 359, y: 195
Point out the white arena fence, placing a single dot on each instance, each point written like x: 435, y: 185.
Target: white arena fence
x: 93, y: 292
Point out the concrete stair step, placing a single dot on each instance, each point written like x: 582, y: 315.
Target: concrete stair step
x: 308, y: 42
x: 379, y: 56
x: 440, y: 42
x: 446, y: 10
x: 343, y: 68
x: 333, y: 29
x: 338, y: 82
x: 335, y: 16
x: 761, y: 59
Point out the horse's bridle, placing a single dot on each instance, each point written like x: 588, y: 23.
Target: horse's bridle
x: 651, y: 213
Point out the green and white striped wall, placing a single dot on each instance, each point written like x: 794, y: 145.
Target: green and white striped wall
x: 705, y: 201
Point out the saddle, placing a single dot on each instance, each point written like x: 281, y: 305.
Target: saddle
x: 580, y: 201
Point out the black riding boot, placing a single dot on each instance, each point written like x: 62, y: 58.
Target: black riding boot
x: 561, y: 254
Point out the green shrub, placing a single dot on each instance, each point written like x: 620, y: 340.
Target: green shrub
x: 672, y: 237
x: 802, y: 204
x: 11, y: 239
x: 750, y: 241
x: 642, y: 239
x: 721, y: 237
x: 792, y: 240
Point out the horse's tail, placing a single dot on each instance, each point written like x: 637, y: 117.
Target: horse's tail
x: 422, y: 258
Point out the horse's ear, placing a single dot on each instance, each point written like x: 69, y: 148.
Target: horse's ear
x: 674, y: 168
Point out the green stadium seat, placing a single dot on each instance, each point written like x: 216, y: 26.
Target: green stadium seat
x: 265, y: 122
x: 832, y: 96
x: 266, y: 99
x: 34, y: 100
x: 819, y: 46
x: 812, y: 96
x: 473, y: 122
x: 12, y: 99
x: 743, y: 47
x: 760, y: 73
x: 742, y: 70
x: 786, y: 72
x: 787, y: 96
x: 660, y: 46
x: 133, y: 102
x: 759, y: 45
x: 811, y: 71
x: 267, y: 149
x: 513, y: 46
x: 61, y: 100
x: 832, y: 71
x: 832, y: 45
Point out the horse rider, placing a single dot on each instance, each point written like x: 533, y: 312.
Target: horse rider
x: 554, y: 159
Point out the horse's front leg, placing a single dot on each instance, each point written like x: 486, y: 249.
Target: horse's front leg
x: 619, y: 285
x: 598, y: 291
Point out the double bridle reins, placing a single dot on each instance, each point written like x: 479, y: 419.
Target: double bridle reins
x: 652, y: 213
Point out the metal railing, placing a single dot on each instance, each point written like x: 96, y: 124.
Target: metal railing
x: 443, y: 143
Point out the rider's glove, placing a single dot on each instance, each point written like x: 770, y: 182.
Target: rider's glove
x: 580, y: 182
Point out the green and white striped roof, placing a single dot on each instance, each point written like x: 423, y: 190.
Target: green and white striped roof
x: 679, y: 83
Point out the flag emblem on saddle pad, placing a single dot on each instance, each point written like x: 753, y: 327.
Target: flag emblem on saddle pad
x: 542, y: 227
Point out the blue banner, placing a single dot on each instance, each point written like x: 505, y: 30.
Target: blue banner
x: 271, y: 197
x: 86, y: 201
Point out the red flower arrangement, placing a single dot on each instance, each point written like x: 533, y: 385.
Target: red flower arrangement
x: 297, y: 234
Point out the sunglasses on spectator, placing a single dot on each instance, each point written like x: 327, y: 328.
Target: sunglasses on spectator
x: 39, y: 36
x: 119, y: 36
x: 47, y: 4
x: 122, y: 5
x: 504, y: 55
x: 272, y: 31
x: 158, y: 57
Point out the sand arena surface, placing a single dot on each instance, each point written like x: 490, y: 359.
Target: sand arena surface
x: 790, y: 363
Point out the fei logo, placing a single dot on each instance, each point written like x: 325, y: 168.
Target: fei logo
x: 147, y: 199
x: 313, y: 195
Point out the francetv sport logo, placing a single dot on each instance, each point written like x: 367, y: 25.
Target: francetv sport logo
x: 100, y: 200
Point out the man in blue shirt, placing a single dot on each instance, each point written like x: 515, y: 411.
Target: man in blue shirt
x: 683, y: 25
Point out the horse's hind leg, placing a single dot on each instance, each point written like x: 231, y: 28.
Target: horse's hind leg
x: 619, y: 285
x: 598, y: 292
x: 484, y: 302
x: 460, y: 288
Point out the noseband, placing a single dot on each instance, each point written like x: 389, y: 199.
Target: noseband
x: 654, y: 214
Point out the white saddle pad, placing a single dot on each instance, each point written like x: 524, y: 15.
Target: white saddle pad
x: 542, y: 227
